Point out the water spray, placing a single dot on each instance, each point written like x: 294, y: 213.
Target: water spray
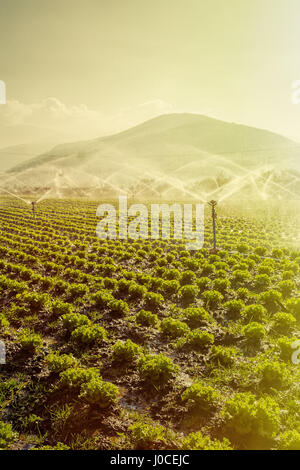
x: 213, y: 204
x: 15, y: 195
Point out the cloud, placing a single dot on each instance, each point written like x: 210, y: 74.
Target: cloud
x: 77, y: 121
x: 49, y: 113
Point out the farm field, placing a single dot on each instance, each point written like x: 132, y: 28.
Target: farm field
x: 142, y: 344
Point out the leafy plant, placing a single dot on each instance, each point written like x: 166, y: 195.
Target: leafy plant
x: 245, y: 414
x: 98, y: 392
x: 71, y: 321
x: 224, y: 356
x: 234, y: 307
x: 199, y: 339
x: 188, y: 294
x: 60, y: 362
x: 197, y: 441
x: 7, y: 435
x: 195, y: 316
x: 157, y: 369
x: 173, y: 328
x: 200, y: 397
x: 145, y: 318
x: 30, y: 341
x: 144, y: 434
x: 212, y: 298
x: 254, y: 332
x: 126, y: 351
x: 74, y: 377
x: 119, y: 308
x: 254, y: 312
x: 87, y: 334
x: 153, y: 301
x: 289, y: 440
x: 283, y: 322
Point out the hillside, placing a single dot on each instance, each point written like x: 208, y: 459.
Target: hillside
x: 173, y: 155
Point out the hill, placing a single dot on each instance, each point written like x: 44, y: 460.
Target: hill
x: 170, y: 156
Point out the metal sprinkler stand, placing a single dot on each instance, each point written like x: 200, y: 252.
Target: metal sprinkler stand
x: 213, y: 204
x: 33, y: 209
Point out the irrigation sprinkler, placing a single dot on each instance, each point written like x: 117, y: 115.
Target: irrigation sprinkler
x: 33, y: 209
x: 213, y: 204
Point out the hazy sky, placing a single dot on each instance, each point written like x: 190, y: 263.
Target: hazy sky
x: 111, y: 63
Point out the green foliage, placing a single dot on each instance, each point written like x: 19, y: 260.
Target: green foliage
x: 119, y: 308
x: 254, y: 332
x: 254, y: 312
x: 196, y: 441
x: 153, y: 301
x: 195, y: 316
x: 203, y: 283
x: 260, y: 250
x: 7, y: 435
x: 199, y: 339
x: 187, y: 277
x: 34, y: 301
x: 273, y: 373
x: 58, y: 446
x: 283, y: 322
x: 98, y: 392
x: 136, y: 291
x: 223, y: 355
x: 144, y: 434
x: 285, y: 347
x: 77, y: 291
x: 174, y: 328
x: 262, y: 282
x: 102, y: 298
x: 74, y: 377
x: 286, y: 287
x: 293, y: 305
x: 233, y: 308
x: 71, y: 321
x: 170, y: 287
x: 211, y: 298
x: 221, y: 285
x: 30, y: 341
x: 126, y: 351
x: 188, y: 294
x: 245, y: 414
x: 243, y: 293
x: 60, y: 308
x: 4, y: 323
x: 271, y: 300
x: 289, y: 440
x: 60, y: 362
x: 240, y: 276
x: 200, y: 398
x: 145, y: 318
x: 157, y: 369
x: 234, y: 317
x: 87, y: 334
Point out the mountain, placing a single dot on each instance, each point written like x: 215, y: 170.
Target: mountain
x: 170, y: 156
x: 18, y: 154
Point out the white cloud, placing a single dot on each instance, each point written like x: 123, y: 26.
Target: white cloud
x: 76, y: 121
x: 49, y: 113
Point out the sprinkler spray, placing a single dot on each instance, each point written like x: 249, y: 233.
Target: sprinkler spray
x: 214, y: 216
